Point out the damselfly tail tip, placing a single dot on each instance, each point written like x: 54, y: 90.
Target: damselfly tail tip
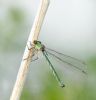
x: 62, y: 85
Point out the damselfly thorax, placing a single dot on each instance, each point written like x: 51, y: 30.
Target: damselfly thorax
x: 39, y: 46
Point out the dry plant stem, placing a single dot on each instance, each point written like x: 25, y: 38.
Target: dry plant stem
x: 16, y: 93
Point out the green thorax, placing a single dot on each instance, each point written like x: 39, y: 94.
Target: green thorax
x: 38, y: 45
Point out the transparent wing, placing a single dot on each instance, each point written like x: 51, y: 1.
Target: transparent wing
x: 53, y: 69
x: 71, y: 61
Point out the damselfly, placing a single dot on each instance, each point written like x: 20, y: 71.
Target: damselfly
x: 38, y: 46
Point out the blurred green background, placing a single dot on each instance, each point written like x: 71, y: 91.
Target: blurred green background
x: 74, y: 21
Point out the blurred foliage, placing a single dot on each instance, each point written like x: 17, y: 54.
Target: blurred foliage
x: 16, y: 15
x: 27, y: 95
x: 92, y: 63
x: 12, y: 27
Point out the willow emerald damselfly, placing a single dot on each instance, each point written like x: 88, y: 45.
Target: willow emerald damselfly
x: 38, y: 46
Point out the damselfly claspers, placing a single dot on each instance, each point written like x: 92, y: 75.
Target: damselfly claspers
x: 38, y: 46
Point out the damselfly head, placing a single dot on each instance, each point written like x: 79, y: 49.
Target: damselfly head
x: 35, y: 42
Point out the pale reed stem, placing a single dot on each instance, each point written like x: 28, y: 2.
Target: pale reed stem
x: 16, y: 93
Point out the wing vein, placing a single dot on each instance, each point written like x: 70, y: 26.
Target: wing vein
x: 66, y: 62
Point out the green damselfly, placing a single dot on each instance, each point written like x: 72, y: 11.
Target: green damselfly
x: 38, y: 46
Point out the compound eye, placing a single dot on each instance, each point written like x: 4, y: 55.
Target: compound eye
x: 35, y: 42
